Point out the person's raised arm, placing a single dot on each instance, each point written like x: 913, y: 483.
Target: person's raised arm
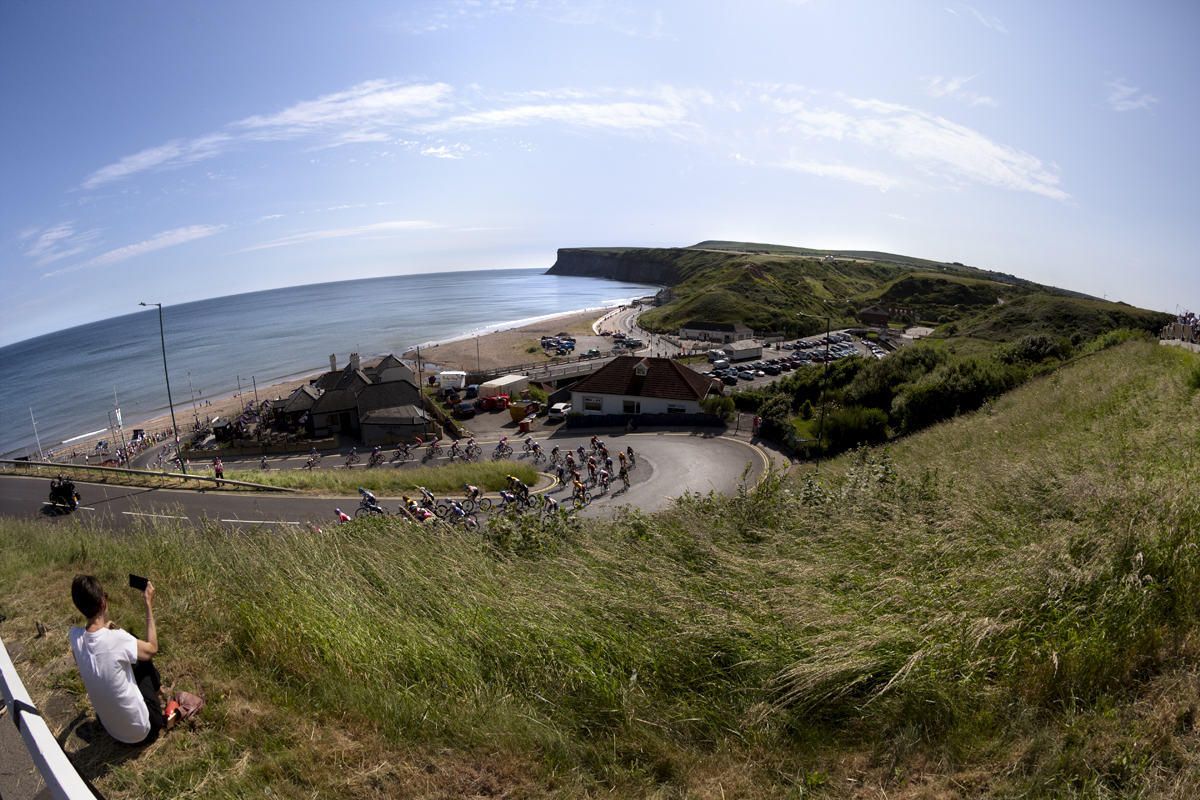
x: 149, y: 648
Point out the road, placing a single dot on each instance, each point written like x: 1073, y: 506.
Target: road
x: 670, y: 463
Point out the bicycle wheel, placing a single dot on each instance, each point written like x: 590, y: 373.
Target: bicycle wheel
x: 441, y: 510
x: 471, y: 523
x: 485, y: 503
x: 361, y: 512
x: 578, y: 502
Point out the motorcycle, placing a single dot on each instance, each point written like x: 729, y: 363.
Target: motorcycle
x: 64, y: 494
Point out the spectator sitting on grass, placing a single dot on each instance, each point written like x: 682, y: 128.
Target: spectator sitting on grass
x: 121, y: 680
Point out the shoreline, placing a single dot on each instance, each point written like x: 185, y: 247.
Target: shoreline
x: 498, y: 340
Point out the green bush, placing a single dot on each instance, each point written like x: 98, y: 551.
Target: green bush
x: 960, y: 386
x: 853, y: 426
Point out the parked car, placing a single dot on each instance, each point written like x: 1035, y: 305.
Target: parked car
x: 473, y: 390
x: 559, y: 411
x: 729, y: 380
x: 593, y: 353
x: 464, y: 410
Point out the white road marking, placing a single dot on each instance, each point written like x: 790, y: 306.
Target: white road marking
x: 262, y: 521
x: 157, y: 516
x: 77, y: 508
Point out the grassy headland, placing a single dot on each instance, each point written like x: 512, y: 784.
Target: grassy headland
x: 1005, y: 604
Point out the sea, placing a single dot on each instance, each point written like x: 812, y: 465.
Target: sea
x: 67, y: 386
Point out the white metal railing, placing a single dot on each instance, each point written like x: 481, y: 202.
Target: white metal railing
x: 57, y: 771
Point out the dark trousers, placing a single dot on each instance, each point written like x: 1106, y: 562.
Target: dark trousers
x: 149, y: 682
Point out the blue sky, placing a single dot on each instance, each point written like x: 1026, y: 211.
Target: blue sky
x: 176, y: 151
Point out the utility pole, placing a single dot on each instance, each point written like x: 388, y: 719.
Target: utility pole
x: 38, y: 439
x: 120, y: 425
x: 824, y: 386
x: 174, y: 428
x: 192, y: 392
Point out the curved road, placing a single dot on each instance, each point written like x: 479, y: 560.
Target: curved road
x: 669, y: 464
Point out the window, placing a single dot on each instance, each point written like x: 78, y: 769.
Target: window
x: 673, y: 409
x: 331, y: 419
x: 632, y: 407
x: 593, y: 404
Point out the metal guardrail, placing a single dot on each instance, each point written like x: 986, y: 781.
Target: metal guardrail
x: 56, y: 769
x: 142, y: 473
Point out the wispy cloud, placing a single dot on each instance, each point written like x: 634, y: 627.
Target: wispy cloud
x: 58, y: 242
x: 337, y: 233
x: 953, y: 89
x: 1123, y: 97
x: 866, y: 177
x: 660, y: 110
x: 992, y: 22
x: 368, y: 112
x: 446, y: 151
x: 931, y: 143
x: 158, y: 242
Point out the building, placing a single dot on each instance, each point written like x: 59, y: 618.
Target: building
x: 635, y: 385
x: 874, y: 316
x: 722, y: 332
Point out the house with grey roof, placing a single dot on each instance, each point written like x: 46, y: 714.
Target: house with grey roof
x: 723, y: 332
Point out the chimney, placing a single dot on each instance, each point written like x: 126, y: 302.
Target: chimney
x: 333, y: 363
x: 354, y: 361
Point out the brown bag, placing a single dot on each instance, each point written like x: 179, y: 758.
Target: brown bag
x: 187, y: 704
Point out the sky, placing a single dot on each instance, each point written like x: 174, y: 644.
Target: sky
x: 169, y: 152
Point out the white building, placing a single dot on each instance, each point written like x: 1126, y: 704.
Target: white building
x: 635, y: 385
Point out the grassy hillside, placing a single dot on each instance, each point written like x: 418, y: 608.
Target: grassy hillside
x: 1004, y: 605
x: 767, y: 286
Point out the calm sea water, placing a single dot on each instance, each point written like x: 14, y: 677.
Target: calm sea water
x: 68, y: 377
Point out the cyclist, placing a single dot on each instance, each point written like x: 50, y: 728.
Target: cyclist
x: 310, y: 465
x: 578, y: 490
x: 520, y: 489
x: 537, y: 451
x: 404, y: 449
x: 368, y: 499
x: 433, y: 446
x: 264, y: 462
x: 604, y: 479
x: 561, y: 473
x: 600, y: 446
x: 342, y: 517
x: 570, y: 461
x: 594, y: 440
x: 376, y: 451
x: 507, y: 499
x: 591, y: 461
x: 624, y: 476
x: 429, y: 501
x: 502, y: 445
x: 621, y: 456
x: 453, y: 451
x: 554, y: 455
x: 608, y: 465
x: 312, y: 453
x: 551, y: 505
x: 632, y: 457
x: 354, y: 453
x: 528, y: 442
x: 592, y: 471
x: 603, y: 451
x: 580, y: 451
x: 473, y: 492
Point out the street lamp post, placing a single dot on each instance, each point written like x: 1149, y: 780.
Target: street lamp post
x: 41, y: 455
x: 174, y: 428
x: 824, y: 385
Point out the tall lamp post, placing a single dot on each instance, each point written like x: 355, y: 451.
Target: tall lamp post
x: 174, y: 428
x: 824, y: 385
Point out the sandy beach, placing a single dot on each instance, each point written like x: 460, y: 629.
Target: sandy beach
x: 495, y: 349
x: 507, y: 347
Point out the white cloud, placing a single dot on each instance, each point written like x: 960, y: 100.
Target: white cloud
x: 57, y: 242
x: 953, y: 89
x: 446, y: 151
x: 367, y: 112
x: 1121, y: 97
x: 931, y: 143
x: 164, y: 239
x: 671, y: 109
x: 336, y: 233
x: 866, y: 177
x: 992, y: 22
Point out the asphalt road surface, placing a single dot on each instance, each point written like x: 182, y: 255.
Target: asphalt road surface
x: 669, y: 464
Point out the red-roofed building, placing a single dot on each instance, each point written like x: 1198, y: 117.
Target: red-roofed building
x: 636, y: 385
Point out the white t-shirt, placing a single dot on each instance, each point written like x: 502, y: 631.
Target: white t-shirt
x: 105, y: 659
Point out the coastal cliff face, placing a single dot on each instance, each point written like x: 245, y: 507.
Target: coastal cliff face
x: 633, y: 265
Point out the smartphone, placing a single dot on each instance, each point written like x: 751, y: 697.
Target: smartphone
x: 138, y: 582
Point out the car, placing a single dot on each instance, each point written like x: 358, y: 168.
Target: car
x: 729, y: 380
x: 560, y: 351
x: 464, y: 410
x: 760, y: 373
x: 473, y: 390
x: 746, y: 375
x: 789, y: 346
x: 773, y: 369
x: 592, y: 353
x: 559, y: 411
